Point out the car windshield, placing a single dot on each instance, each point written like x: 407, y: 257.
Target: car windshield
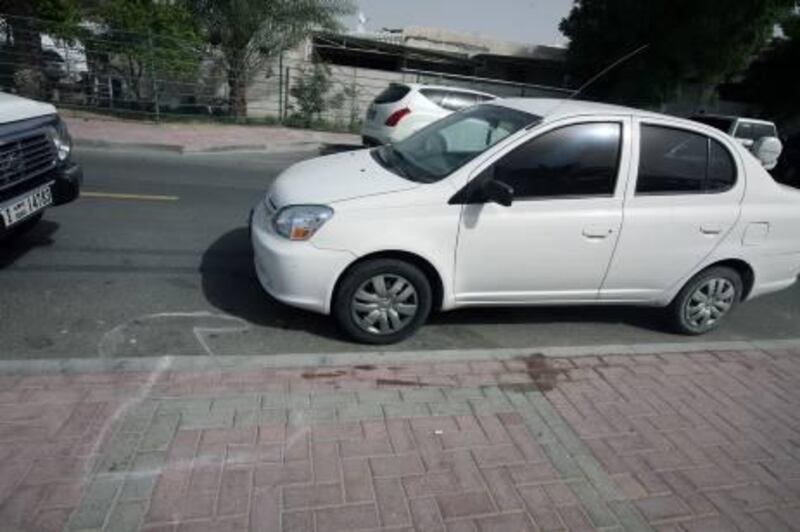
x: 441, y: 148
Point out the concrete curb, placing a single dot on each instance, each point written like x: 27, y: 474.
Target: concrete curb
x: 178, y: 363
x: 312, y: 146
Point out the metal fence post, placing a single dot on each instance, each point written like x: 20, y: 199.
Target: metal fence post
x: 153, y: 75
x: 280, y: 88
x: 286, y: 93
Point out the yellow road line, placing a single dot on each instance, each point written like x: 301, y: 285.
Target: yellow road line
x: 138, y: 197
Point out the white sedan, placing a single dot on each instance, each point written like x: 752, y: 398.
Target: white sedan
x: 529, y: 202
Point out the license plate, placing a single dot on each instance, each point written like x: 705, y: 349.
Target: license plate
x: 18, y: 209
x: 371, y: 113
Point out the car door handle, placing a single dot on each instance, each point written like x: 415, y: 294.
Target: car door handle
x: 594, y: 232
x: 711, y: 229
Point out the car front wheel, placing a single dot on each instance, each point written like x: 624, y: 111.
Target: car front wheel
x: 383, y: 301
x: 706, y: 300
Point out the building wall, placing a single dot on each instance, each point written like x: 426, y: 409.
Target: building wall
x: 264, y: 92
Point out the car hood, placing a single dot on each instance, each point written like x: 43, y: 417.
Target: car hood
x: 13, y: 108
x: 335, y: 178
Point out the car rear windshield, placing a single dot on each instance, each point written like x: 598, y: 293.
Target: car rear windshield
x: 393, y: 93
x: 754, y: 130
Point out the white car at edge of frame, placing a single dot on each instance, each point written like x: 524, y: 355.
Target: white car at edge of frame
x: 529, y: 202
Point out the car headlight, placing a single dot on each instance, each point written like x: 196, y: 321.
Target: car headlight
x: 300, y: 222
x: 61, y: 140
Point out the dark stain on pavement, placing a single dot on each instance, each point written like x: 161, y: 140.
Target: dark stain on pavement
x: 39, y: 342
x: 324, y: 374
x: 542, y: 374
x: 398, y: 382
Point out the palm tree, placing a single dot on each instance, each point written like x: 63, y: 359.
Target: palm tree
x: 251, y: 32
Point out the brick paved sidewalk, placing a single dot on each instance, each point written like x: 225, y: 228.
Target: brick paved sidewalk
x: 98, y: 131
x: 695, y: 441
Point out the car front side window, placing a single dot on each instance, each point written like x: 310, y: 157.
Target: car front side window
x: 572, y: 161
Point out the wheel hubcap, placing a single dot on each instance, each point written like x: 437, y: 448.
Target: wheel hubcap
x: 710, y: 303
x: 385, y: 304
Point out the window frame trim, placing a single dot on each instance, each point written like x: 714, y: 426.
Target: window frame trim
x: 643, y: 122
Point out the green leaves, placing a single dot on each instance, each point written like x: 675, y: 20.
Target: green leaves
x: 251, y: 32
x: 691, y: 41
x: 309, y: 91
x: 771, y: 80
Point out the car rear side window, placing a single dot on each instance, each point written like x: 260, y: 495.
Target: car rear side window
x: 572, y: 161
x: 676, y: 161
x: 393, y: 93
x: 721, y: 169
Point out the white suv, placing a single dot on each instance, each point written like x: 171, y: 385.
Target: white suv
x: 36, y: 166
x: 750, y: 132
x: 402, y: 109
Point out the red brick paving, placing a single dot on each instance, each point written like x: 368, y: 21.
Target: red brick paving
x: 694, y: 441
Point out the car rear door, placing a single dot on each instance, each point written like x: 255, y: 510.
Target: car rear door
x: 685, y: 198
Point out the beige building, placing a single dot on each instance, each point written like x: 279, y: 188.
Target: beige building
x: 363, y: 64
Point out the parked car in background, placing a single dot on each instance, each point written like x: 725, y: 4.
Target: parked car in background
x: 788, y: 169
x: 36, y: 169
x: 529, y: 202
x: 402, y: 109
x: 748, y: 131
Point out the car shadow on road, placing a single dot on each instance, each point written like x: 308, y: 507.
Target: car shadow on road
x: 230, y: 284
x: 13, y: 247
x: 330, y: 148
x: 647, y: 319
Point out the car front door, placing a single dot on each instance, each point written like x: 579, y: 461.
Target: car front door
x: 555, y: 242
x: 685, y: 199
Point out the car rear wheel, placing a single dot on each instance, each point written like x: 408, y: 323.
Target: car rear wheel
x: 383, y: 301
x: 706, y: 300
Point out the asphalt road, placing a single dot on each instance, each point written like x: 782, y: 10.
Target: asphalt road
x: 155, y: 260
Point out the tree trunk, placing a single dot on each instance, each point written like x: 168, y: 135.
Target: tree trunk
x: 27, y: 42
x: 237, y: 84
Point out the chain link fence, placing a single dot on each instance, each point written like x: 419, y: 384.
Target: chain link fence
x: 94, y: 68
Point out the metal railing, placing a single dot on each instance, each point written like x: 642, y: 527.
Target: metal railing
x: 98, y: 69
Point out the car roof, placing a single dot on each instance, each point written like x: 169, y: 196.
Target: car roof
x: 551, y: 109
x: 554, y: 108
x: 732, y: 117
x: 417, y: 86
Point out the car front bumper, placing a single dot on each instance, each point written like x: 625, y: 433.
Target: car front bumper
x: 68, y: 181
x: 65, y: 186
x: 295, y: 273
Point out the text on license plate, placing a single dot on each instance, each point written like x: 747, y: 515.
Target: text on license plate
x: 18, y: 209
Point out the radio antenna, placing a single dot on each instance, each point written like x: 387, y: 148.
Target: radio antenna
x: 608, y: 69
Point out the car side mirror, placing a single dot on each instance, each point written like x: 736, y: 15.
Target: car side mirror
x: 498, y: 192
x: 768, y: 151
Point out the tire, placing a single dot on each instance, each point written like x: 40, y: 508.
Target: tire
x: 373, y: 315
x: 691, y: 315
x: 17, y: 231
